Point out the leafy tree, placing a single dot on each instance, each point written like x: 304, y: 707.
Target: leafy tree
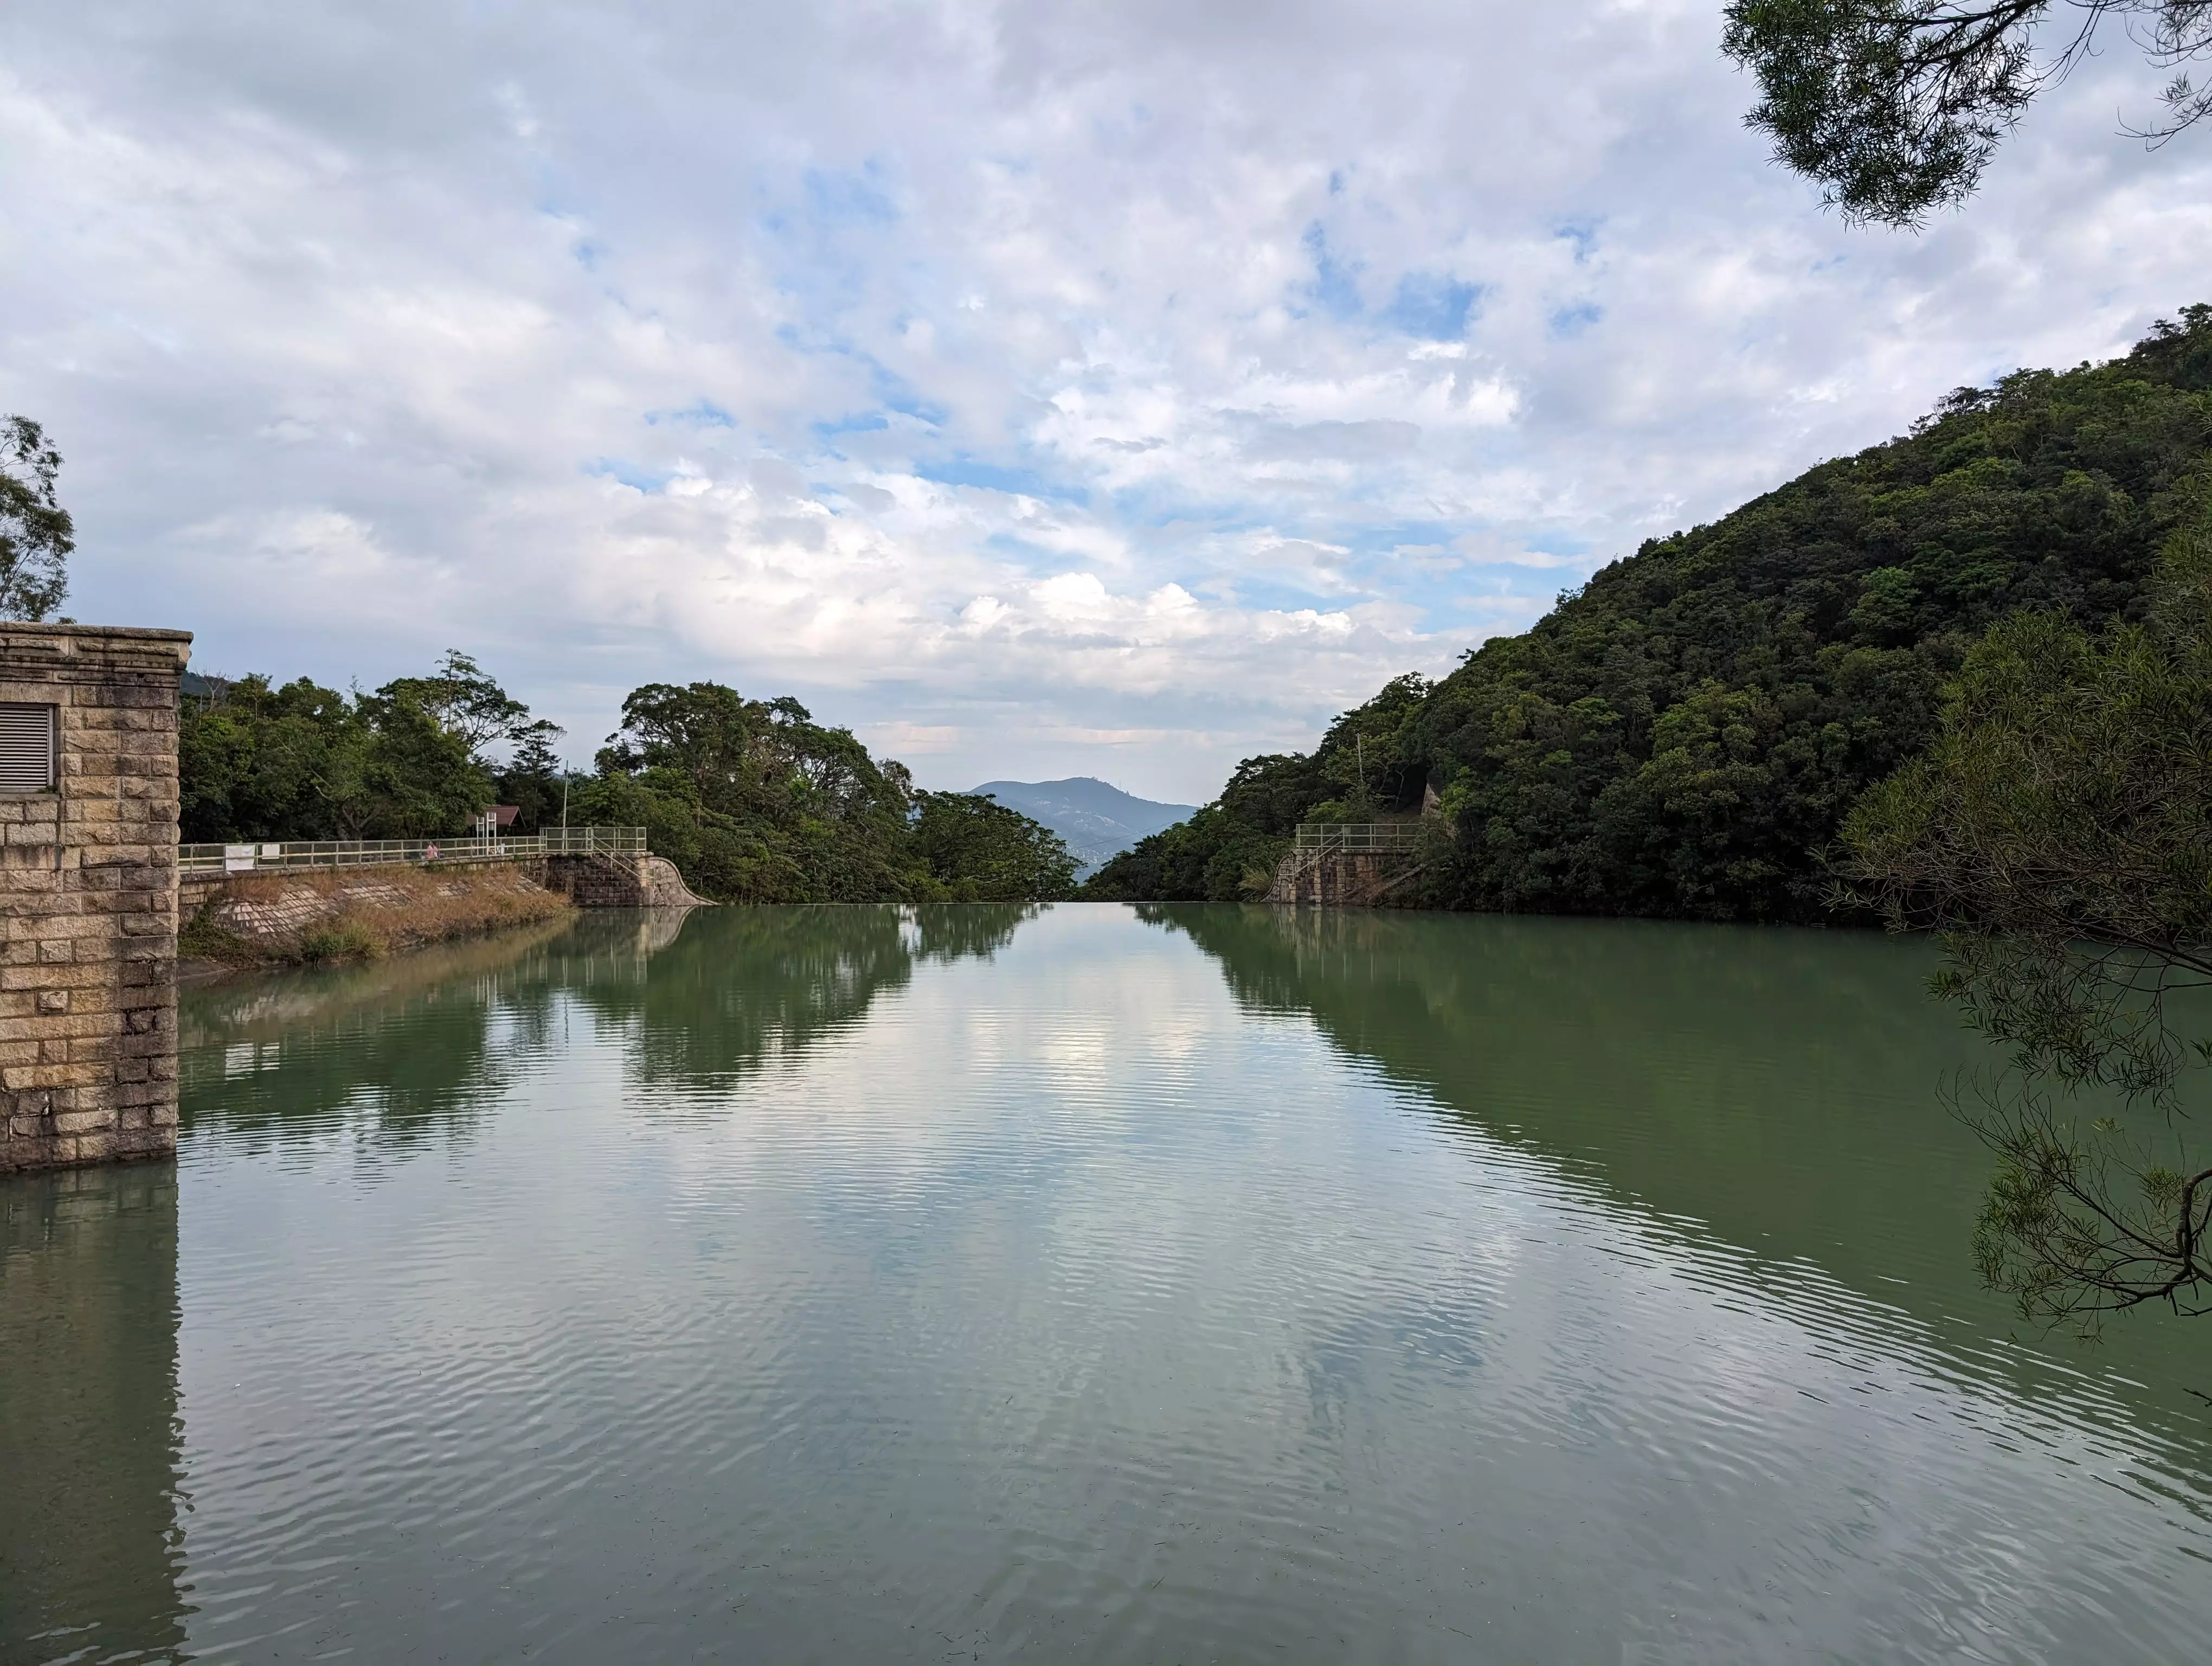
x: 467, y: 704
x: 981, y: 851
x: 304, y: 761
x: 754, y: 801
x: 257, y: 762
x: 412, y: 775
x: 766, y: 805
x: 2058, y: 833
x: 36, y: 533
x: 1896, y: 105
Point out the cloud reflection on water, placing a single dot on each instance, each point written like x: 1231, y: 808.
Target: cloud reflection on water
x: 1235, y: 1281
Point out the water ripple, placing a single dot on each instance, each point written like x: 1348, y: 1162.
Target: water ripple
x: 789, y: 1288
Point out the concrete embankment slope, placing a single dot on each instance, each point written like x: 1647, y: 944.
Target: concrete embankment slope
x: 341, y: 914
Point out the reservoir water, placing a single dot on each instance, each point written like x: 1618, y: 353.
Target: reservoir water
x: 1087, y: 1284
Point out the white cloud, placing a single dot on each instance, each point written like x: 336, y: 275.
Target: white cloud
x: 1012, y: 372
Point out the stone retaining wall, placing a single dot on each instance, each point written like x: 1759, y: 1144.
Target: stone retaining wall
x: 619, y: 881
x: 89, y: 900
x: 1341, y: 878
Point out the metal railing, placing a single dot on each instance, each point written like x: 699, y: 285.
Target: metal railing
x: 1358, y: 837
x: 271, y: 853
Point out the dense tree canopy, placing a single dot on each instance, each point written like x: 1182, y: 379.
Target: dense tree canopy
x: 2058, y: 834
x: 1895, y: 106
x: 752, y: 799
x: 981, y: 851
x: 1680, y: 735
x: 303, y: 762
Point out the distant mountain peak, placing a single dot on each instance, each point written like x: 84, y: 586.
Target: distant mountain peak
x: 1097, y: 818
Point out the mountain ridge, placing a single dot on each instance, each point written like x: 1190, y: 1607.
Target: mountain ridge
x: 1097, y: 819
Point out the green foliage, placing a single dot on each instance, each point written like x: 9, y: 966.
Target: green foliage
x: 201, y: 938
x: 36, y: 533
x: 752, y: 799
x: 2058, y: 833
x: 2078, y: 1222
x: 343, y: 938
x: 980, y: 851
x: 534, y: 781
x: 1895, y: 106
x: 460, y: 701
x: 1679, y: 736
x: 757, y: 802
x: 1228, y: 849
x: 302, y: 761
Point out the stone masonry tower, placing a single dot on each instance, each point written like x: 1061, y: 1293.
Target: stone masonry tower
x: 88, y: 893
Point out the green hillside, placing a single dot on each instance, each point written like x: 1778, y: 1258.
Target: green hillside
x: 1679, y: 736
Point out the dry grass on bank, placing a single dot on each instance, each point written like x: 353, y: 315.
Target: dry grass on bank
x: 309, y: 919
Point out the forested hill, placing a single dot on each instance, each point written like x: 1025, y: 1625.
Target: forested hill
x: 1679, y: 736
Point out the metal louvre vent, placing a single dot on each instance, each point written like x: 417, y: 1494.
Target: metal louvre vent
x: 26, y: 749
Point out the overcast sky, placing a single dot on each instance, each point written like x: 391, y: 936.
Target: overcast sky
x: 1037, y: 388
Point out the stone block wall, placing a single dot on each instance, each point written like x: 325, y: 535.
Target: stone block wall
x: 1340, y: 878
x: 618, y: 882
x: 88, y: 901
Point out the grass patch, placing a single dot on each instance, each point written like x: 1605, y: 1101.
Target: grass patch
x: 348, y: 937
x: 202, y: 939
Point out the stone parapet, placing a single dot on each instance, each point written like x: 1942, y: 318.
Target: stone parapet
x: 89, y: 897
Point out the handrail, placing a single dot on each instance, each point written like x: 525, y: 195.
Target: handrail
x: 252, y: 856
x: 1358, y: 835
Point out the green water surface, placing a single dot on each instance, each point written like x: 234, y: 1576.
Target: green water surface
x: 1090, y: 1283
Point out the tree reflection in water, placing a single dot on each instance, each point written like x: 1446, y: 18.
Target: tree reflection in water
x: 418, y: 1047
x: 1772, y: 1088
x: 773, y: 981
x: 394, y: 1053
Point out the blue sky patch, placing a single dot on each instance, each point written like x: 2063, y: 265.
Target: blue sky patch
x: 843, y: 196
x: 1335, y: 286
x: 993, y: 477
x: 1434, y: 305
x: 630, y: 474
x: 1571, y: 321
x: 900, y: 398
x: 871, y: 422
